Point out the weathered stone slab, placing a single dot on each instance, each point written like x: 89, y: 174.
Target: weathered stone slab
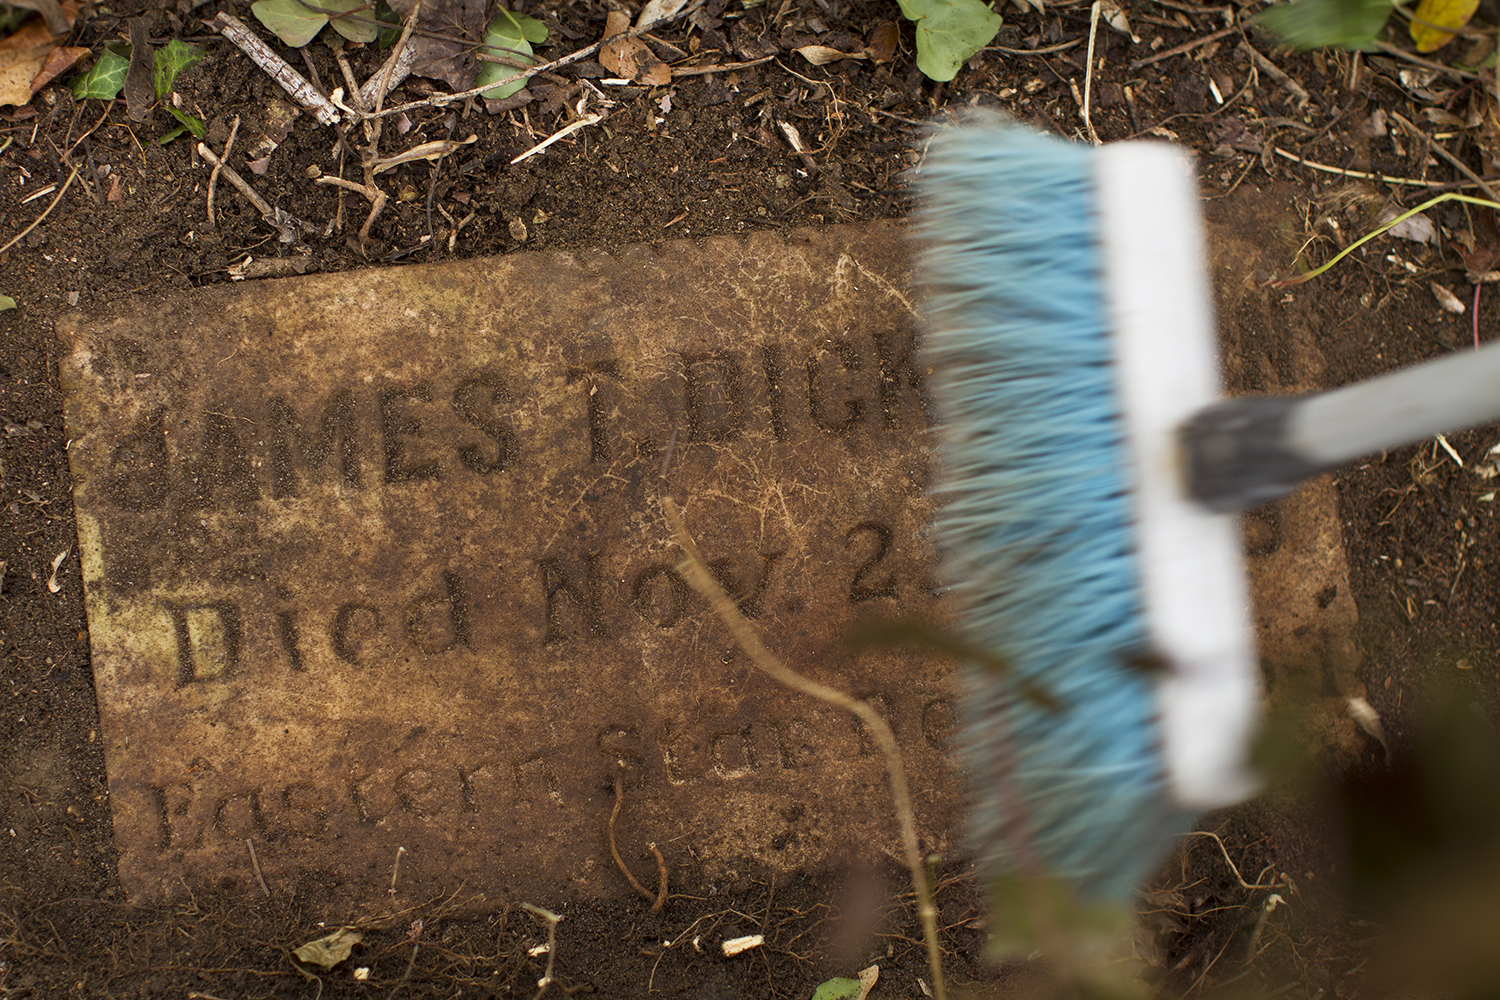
x: 376, y: 560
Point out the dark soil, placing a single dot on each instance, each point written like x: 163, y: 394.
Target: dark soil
x: 1418, y: 528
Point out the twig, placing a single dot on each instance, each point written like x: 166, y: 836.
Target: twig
x: 262, y: 55
x: 213, y: 177
x: 1088, y: 72
x: 1457, y: 164
x: 697, y: 573
x: 1412, y: 57
x: 261, y: 205
x: 438, y: 100
x: 553, y: 920
x: 255, y: 864
x: 1276, y: 73
x: 1065, y: 46
x: 45, y: 212
x: 718, y: 68
x: 1178, y: 50
x: 566, y: 130
x: 397, y: 67
x: 660, y: 899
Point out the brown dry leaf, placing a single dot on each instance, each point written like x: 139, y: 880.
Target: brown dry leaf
x: 630, y: 58
x: 822, y: 55
x: 18, y: 67
x: 1446, y: 14
x: 883, y: 42
x: 59, y: 62
x: 447, y: 34
x: 23, y: 56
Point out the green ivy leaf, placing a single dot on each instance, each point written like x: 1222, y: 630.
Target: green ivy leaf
x: 949, y: 32
x: 107, y: 77
x: 171, y: 59
x: 533, y: 30
x: 1314, y: 24
x: 505, y: 37
x: 290, y: 20
x: 837, y: 989
x: 6, y: 302
x: 360, y: 29
x: 189, y: 124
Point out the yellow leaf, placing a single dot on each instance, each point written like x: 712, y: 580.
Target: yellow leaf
x: 1445, y: 14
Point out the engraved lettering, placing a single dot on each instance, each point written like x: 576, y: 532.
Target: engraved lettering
x: 351, y: 622
x: 286, y: 629
x: 418, y: 793
x: 617, y: 743
x: 224, y: 470
x: 357, y: 798
x: 598, y: 439
x: 668, y: 741
x: 751, y: 598
x: 938, y: 717
x: 137, y: 477
x: 817, y: 406
x: 792, y: 746
x: 396, y: 425
x: 468, y: 793
x: 239, y: 814
x: 208, y: 640
x: 714, y: 395
x: 659, y: 594
x: 306, y: 808
x: 476, y: 401
x: 531, y: 771
x: 861, y: 587
x: 733, y: 754
x: 558, y: 585
x: 774, y: 365
x: 896, y: 366
x: 293, y: 444
x: 438, y: 623
x: 173, y: 805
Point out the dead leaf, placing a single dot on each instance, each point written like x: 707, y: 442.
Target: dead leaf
x: 631, y: 58
x: 57, y: 63
x: 116, y: 194
x: 24, y: 54
x: 59, y: 17
x: 655, y: 10
x: 140, y: 94
x: 446, y: 36
x: 329, y: 950
x: 1439, y: 14
x: 822, y: 55
x: 18, y: 67
x: 1447, y: 299
x: 1417, y: 228
x: 1481, y: 247
x: 883, y: 42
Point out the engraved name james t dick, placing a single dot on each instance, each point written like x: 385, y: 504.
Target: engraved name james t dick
x: 377, y: 560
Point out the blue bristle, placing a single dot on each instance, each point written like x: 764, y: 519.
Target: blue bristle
x: 1035, y: 527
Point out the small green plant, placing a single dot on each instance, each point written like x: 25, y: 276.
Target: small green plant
x: 106, y: 78
x: 949, y: 33
x: 298, y: 23
x: 509, y: 36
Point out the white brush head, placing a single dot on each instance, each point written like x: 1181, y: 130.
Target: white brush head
x: 1191, y: 567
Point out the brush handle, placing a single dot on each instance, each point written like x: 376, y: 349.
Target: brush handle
x: 1244, y: 452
